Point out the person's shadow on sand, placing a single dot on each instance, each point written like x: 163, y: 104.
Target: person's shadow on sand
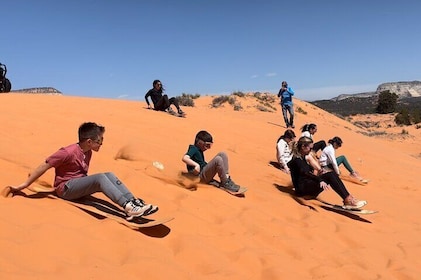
x: 107, y: 208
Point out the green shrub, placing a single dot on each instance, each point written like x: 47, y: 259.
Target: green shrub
x: 238, y: 107
x: 403, y: 118
x: 231, y: 100
x: 416, y: 116
x: 300, y: 110
x: 387, y: 102
x: 239, y: 93
x: 218, y: 101
x: 262, y: 108
x: 187, y: 99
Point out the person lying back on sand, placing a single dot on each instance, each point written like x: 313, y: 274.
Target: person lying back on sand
x: 71, y: 181
x: 308, y: 184
x: 196, y: 164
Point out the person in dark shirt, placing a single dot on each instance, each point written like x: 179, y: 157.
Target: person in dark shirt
x: 196, y: 164
x: 160, y: 101
x: 308, y: 184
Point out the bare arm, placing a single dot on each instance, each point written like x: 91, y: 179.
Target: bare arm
x: 33, y: 176
x: 187, y: 160
x: 313, y: 163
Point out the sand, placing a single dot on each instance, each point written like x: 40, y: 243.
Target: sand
x: 265, y: 235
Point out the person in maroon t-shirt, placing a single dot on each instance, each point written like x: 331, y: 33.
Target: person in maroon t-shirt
x: 72, y: 181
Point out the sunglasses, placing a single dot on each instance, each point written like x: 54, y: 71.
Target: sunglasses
x: 98, y: 141
x: 207, y: 145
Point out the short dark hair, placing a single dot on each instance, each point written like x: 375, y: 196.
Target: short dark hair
x: 90, y: 130
x: 204, y: 136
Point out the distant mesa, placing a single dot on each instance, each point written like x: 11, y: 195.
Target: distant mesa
x: 409, y: 96
x: 402, y: 89
x: 39, y: 90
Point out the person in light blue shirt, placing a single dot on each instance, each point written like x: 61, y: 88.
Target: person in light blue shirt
x: 286, y: 93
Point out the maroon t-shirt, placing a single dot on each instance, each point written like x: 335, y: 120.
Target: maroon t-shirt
x: 69, y: 162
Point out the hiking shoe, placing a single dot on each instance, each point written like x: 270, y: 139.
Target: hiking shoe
x: 230, y: 186
x: 134, y: 210
x: 353, y: 203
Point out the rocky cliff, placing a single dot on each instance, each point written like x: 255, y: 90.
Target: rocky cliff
x: 402, y: 89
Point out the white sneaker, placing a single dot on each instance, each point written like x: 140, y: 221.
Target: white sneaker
x: 353, y: 203
x: 133, y: 210
x: 141, y: 203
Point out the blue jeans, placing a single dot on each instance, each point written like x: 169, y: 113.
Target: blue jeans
x: 285, y: 110
x: 106, y: 183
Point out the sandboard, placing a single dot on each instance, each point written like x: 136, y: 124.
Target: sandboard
x: 173, y: 113
x: 90, y: 206
x: 354, y: 180
x: 359, y: 211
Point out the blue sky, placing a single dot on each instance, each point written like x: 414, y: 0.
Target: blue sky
x: 115, y: 49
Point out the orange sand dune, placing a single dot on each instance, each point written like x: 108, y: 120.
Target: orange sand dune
x: 265, y: 235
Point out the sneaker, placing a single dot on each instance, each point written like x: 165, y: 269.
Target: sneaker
x: 171, y: 111
x: 180, y: 112
x: 133, y: 210
x: 353, y: 203
x: 141, y: 203
x: 230, y: 186
x: 358, y: 177
x: 355, y: 175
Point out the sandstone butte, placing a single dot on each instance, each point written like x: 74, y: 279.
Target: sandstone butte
x: 265, y: 235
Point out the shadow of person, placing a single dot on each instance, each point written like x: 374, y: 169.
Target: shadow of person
x: 100, y: 209
x: 158, y: 231
x: 346, y: 214
x: 300, y: 200
x: 275, y: 164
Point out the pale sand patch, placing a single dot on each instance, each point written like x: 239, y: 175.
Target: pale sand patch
x: 265, y: 235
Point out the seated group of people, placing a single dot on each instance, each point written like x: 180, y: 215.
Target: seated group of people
x: 311, y: 174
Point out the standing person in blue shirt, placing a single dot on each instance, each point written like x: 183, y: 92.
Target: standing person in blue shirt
x: 286, y: 93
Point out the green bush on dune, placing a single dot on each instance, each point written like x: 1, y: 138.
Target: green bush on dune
x: 187, y: 99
